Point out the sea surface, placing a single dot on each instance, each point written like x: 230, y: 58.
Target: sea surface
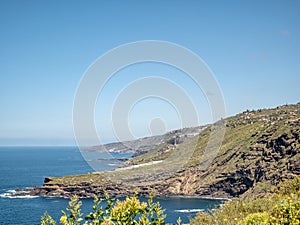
x: 22, y: 167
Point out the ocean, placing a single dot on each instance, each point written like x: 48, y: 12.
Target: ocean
x: 22, y: 167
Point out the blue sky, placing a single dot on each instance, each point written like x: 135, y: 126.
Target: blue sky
x: 252, y: 47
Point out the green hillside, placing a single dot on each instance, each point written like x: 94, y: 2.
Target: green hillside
x: 260, y: 148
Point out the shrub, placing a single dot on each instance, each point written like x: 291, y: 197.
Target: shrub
x: 46, y: 219
x: 290, y: 187
x: 255, y: 219
x: 287, y: 211
x: 202, y: 218
x: 128, y: 212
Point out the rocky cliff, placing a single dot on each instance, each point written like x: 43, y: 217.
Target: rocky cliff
x: 260, y: 148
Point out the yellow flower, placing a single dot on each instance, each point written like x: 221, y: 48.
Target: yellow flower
x: 63, y: 220
x: 106, y: 223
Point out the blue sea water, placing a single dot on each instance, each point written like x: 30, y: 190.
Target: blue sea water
x: 22, y: 167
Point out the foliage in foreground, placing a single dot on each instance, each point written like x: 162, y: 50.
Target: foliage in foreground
x: 115, y: 212
x: 281, y: 208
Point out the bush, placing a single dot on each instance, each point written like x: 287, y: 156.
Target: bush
x: 255, y: 219
x: 202, y: 218
x: 290, y: 187
x: 280, y: 208
x: 128, y: 212
x: 287, y: 211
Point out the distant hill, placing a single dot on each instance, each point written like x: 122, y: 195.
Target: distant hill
x: 142, y: 145
x: 260, y: 148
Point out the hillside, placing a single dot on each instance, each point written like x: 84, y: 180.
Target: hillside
x: 260, y: 148
x: 142, y: 145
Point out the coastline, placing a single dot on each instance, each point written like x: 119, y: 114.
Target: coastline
x: 267, y: 139
x: 30, y: 192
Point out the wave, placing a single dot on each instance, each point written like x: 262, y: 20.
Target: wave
x: 16, y: 194
x: 189, y: 210
x: 6, y: 195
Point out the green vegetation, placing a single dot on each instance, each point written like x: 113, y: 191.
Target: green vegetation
x: 128, y: 212
x: 279, y: 208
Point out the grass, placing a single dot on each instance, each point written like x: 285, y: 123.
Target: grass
x: 97, y: 179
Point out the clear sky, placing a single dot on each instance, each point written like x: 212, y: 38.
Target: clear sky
x: 253, y: 48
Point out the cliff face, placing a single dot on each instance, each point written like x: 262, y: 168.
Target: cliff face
x: 260, y: 148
